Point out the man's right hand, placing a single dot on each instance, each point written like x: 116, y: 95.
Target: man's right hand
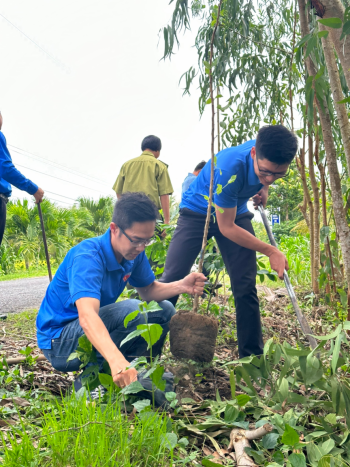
x: 125, y: 377
x: 39, y: 195
x: 278, y: 262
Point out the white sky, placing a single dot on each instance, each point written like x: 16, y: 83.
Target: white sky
x: 89, y: 107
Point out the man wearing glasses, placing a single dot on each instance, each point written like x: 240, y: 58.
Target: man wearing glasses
x: 82, y: 296
x: 241, y: 172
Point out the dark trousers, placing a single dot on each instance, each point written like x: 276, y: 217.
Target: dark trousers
x: 240, y: 264
x: 2, y: 218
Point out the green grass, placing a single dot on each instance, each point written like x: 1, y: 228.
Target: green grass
x: 26, y: 274
x: 21, y: 324
x: 80, y: 434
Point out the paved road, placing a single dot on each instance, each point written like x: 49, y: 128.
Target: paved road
x: 22, y: 294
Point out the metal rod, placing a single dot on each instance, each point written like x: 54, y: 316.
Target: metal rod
x: 301, y: 318
x: 45, y: 242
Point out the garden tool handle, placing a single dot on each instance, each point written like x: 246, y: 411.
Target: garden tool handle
x: 45, y: 242
x: 301, y: 318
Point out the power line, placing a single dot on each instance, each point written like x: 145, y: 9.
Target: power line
x: 62, y: 179
x: 57, y: 194
x: 35, y: 43
x: 55, y: 164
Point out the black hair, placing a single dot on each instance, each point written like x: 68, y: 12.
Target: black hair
x: 151, y: 142
x: 199, y: 166
x: 277, y: 144
x: 134, y: 207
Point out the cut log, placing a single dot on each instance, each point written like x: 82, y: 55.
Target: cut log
x: 14, y: 361
x: 239, y: 440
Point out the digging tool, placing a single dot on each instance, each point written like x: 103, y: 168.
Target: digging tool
x: 45, y: 242
x: 301, y: 318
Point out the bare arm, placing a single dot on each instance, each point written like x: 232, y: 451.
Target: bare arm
x: 119, y: 195
x: 158, y: 291
x: 165, y: 203
x: 96, y: 332
x: 227, y: 226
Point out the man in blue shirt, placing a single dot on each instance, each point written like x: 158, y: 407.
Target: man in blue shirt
x: 9, y: 174
x: 82, y: 296
x: 191, y: 177
x: 241, y: 172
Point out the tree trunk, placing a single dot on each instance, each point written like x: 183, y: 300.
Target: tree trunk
x: 335, y: 9
x: 316, y: 216
x: 331, y: 155
x: 337, y: 93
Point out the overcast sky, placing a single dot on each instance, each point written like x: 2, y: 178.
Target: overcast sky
x: 87, y: 100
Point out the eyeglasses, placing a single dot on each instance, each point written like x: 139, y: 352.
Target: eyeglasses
x: 145, y: 242
x: 265, y: 173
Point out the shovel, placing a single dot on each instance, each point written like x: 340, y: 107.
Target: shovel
x: 301, y: 318
x: 45, y: 242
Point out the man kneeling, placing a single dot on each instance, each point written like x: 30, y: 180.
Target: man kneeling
x: 81, y: 298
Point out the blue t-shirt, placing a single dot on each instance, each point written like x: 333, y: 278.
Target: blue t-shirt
x: 187, y: 182
x: 90, y: 269
x: 10, y: 175
x: 231, y: 161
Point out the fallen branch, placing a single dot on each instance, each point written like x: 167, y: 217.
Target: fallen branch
x: 14, y: 361
x: 239, y: 440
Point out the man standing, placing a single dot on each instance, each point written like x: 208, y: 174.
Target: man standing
x: 241, y: 172
x: 147, y: 174
x: 191, y: 177
x: 82, y: 296
x: 10, y: 175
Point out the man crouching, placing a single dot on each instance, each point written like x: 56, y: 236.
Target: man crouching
x: 81, y: 298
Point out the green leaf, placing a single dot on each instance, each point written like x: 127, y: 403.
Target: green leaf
x: 290, y: 436
x: 346, y: 29
x: 325, y: 461
x: 208, y: 463
x: 331, y: 335
x: 258, y: 456
x: 84, y: 343
x: 335, y: 23
x: 106, y: 380
x: 278, y: 457
x: 152, y: 306
x: 269, y: 441
x: 231, y: 414
x: 169, y: 440
x: 151, y: 333
x: 133, y: 388
x: 243, y: 399
x: 283, y: 390
x: 130, y: 317
x: 312, y: 43
x: 156, y: 377
x: 218, y: 189
x: 327, y: 446
x: 320, y: 71
x: 232, y: 179
x: 336, y: 351
x: 208, y: 101
x: 297, y: 460
x: 132, y: 335
x: 141, y: 405
x: 322, y: 33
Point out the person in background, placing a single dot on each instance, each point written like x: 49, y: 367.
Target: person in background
x: 147, y: 174
x: 9, y: 175
x: 191, y: 177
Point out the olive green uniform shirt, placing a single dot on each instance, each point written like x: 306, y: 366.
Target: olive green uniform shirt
x: 147, y: 174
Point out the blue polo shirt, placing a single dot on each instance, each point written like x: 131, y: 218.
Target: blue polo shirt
x: 90, y: 269
x: 10, y: 175
x: 187, y: 182
x: 231, y: 161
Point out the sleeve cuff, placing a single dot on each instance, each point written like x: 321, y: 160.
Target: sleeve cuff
x: 86, y: 294
x: 32, y: 189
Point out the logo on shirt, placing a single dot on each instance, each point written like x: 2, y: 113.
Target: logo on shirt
x: 125, y: 278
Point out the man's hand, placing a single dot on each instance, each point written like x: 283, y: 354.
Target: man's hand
x: 278, y: 262
x: 260, y: 198
x: 194, y: 283
x: 121, y: 376
x: 39, y: 195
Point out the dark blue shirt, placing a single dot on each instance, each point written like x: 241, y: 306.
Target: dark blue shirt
x: 231, y: 161
x: 187, y: 182
x: 90, y: 269
x: 9, y: 175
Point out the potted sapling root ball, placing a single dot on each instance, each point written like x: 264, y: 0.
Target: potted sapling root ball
x: 192, y: 335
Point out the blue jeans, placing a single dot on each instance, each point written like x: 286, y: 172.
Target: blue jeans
x: 113, y: 318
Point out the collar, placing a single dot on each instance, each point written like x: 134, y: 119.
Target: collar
x: 148, y: 153
x: 111, y: 260
x: 252, y: 177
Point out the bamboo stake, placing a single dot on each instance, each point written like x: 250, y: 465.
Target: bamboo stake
x: 45, y: 242
x: 207, y: 221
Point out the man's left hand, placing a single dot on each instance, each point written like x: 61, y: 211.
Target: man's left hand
x: 260, y: 198
x: 194, y: 283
